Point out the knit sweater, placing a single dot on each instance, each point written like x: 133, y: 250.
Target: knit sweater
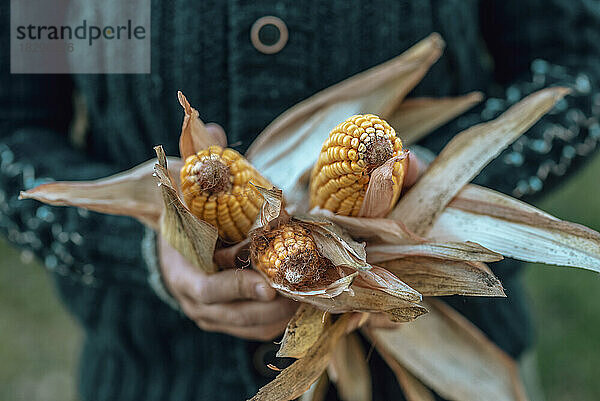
x: 137, y: 347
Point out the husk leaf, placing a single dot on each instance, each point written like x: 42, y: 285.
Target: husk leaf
x: 129, y: 193
x: 330, y: 291
x: 349, y: 370
x: 380, y: 196
x: 296, y: 379
x: 516, y: 230
x: 317, y: 391
x: 332, y: 249
x: 380, y: 279
x: 194, y: 135
x: 289, y: 146
x: 367, y: 228
x: 330, y: 230
x: 302, y: 331
x: 412, y: 388
x: 461, y: 251
x: 465, y: 156
x: 192, y: 237
x: 437, y: 277
x: 366, y: 299
x: 272, y: 207
x: 451, y: 356
x: 417, y: 117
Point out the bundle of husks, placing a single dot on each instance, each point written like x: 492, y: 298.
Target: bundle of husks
x: 432, y: 241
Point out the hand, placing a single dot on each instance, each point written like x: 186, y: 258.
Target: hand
x: 234, y: 301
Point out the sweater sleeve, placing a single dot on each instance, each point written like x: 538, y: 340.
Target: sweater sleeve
x: 90, y: 248
x: 535, y: 44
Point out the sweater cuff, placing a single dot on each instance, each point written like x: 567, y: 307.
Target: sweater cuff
x: 155, y: 280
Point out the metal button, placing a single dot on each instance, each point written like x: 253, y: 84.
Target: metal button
x: 269, y: 48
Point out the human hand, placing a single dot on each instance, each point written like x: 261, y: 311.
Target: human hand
x: 234, y: 301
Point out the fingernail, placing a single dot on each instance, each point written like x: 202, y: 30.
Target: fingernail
x: 263, y: 292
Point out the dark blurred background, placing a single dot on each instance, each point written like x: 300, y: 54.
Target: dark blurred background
x: 39, y: 341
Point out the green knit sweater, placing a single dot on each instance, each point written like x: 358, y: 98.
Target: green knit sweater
x: 137, y: 347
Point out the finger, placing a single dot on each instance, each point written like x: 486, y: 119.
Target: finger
x: 233, y: 256
x: 247, y: 313
x: 257, y: 333
x: 217, y: 133
x: 230, y: 285
x: 415, y: 169
x: 179, y: 275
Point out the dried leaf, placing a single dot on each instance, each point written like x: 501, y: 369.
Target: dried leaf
x: 302, y: 331
x: 317, y: 391
x: 365, y: 299
x: 289, y: 146
x: 451, y: 356
x: 331, y: 230
x: 367, y: 228
x: 412, y: 388
x: 517, y: 230
x: 417, y: 117
x: 333, y: 250
x: 380, y: 279
x: 461, y: 251
x: 192, y: 237
x: 332, y: 290
x: 349, y: 370
x: 296, y: 379
x: 381, y: 195
x: 437, y: 277
x: 271, y: 208
x: 465, y: 156
x: 130, y: 193
x: 194, y: 135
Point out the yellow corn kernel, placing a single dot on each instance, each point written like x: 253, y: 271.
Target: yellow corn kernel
x: 354, y: 148
x: 288, y: 255
x: 216, y: 189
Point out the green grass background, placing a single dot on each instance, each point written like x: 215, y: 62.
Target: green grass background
x: 39, y: 342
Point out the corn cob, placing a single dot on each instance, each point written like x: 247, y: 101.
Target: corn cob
x: 352, y: 151
x: 288, y: 255
x: 216, y: 189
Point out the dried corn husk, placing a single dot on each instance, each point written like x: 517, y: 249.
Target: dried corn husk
x: 380, y: 196
x: 317, y: 391
x: 459, y: 251
x: 349, y: 370
x: 130, y: 193
x: 192, y: 237
x: 439, y: 277
x: 386, y: 293
x: 450, y: 355
x: 417, y: 117
x: 296, y: 379
x: 302, y: 331
x: 412, y: 388
x: 194, y: 135
x: 516, y: 230
x: 465, y: 156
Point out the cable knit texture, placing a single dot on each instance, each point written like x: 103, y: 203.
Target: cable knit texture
x: 137, y: 347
